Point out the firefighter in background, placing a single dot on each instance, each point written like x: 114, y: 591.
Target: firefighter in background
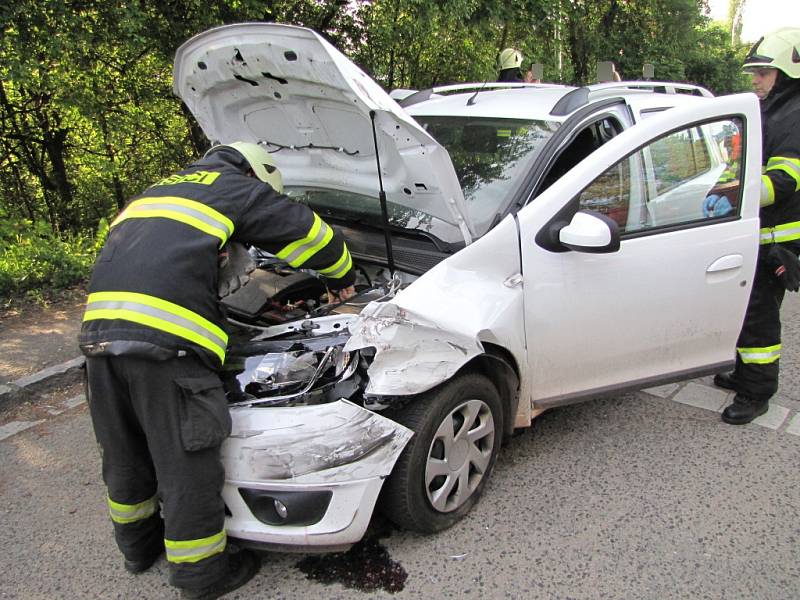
x: 153, y: 334
x: 509, y: 63
x: 774, y: 66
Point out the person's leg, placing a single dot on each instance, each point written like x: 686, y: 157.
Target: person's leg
x: 185, y: 417
x: 758, y: 350
x: 127, y: 468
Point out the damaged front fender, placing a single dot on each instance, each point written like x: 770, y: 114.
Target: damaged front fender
x: 412, y: 354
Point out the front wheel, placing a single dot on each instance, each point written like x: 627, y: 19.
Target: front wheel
x: 444, y: 468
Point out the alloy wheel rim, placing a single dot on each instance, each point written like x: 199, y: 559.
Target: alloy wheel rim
x: 459, y: 455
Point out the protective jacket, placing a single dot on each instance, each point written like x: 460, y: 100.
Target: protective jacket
x: 512, y: 75
x: 153, y: 292
x: 780, y: 183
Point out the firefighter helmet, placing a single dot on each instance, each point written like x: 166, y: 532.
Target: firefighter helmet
x: 779, y: 49
x: 260, y: 161
x: 510, y: 59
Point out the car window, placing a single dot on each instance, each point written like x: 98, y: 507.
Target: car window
x: 586, y: 141
x: 690, y: 176
x: 490, y: 157
x: 678, y: 158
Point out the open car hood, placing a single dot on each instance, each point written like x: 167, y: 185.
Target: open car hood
x: 289, y: 89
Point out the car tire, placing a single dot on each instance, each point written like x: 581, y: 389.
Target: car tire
x: 439, y: 476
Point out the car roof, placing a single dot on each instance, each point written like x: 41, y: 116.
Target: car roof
x: 542, y: 102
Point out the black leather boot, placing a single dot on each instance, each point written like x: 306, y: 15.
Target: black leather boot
x: 242, y: 566
x: 743, y: 410
x: 725, y: 381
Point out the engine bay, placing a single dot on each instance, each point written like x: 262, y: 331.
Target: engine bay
x: 286, y: 344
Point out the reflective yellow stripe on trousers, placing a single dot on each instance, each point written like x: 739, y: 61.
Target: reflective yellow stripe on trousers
x: 190, y: 212
x: 130, y: 513
x: 195, y: 550
x: 158, y: 314
x: 760, y: 356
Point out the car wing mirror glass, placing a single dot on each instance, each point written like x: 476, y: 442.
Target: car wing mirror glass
x: 590, y: 231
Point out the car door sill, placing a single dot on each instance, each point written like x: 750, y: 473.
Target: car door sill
x: 614, y: 390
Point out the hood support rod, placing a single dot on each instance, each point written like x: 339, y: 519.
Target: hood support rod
x: 382, y: 197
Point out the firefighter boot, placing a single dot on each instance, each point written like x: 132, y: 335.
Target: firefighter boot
x: 725, y: 380
x: 242, y: 566
x: 140, y: 566
x: 743, y: 410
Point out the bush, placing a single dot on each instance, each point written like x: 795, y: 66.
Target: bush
x: 40, y: 264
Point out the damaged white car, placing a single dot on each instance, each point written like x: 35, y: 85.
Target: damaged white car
x: 501, y: 272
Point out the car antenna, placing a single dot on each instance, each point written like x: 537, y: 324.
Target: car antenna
x: 382, y: 197
x: 471, y: 100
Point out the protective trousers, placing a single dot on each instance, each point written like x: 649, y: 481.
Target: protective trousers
x: 160, y: 425
x: 758, y: 349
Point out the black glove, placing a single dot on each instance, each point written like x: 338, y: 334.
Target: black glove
x: 785, y: 265
x: 235, y: 266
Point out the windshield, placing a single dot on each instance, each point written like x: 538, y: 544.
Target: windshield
x: 490, y: 156
x: 357, y: 208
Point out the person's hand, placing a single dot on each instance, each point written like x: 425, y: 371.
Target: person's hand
x: 235, y: 266
x: 341, y: 295
x: 785, y: 265
x: 716, y: 206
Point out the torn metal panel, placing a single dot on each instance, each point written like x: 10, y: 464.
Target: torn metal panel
x: 433, y: 328
x: 325, y: 443
x: 412, y: 354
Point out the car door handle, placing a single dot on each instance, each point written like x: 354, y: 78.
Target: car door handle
x: 726, y: 263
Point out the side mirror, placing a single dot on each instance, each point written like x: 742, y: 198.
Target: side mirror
x: 590, y: 231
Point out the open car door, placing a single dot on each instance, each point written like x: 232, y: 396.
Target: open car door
x: 625, y: 290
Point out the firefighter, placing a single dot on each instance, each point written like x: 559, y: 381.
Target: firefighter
x: 509, y: 63
x: 774, y: 66
x: 154, y: 337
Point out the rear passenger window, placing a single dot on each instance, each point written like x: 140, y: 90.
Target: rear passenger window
x: 688, y: 177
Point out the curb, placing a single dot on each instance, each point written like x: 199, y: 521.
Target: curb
x: 28, y: 387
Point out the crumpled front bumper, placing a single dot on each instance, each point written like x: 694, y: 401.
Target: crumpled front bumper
x: 307, y: 477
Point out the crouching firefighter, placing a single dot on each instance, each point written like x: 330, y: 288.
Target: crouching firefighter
x: 154, y: 337
x: 774, y: 66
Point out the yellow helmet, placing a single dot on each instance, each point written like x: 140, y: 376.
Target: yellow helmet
x: 510, y: 59
x: 259, y: 160
x: 779, y: 49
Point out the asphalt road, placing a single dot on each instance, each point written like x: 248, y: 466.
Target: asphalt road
x: 640, y: 496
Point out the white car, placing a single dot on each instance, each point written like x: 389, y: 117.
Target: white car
x: 545, y: 245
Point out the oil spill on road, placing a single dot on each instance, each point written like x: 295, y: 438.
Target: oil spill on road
x: 367, y: 567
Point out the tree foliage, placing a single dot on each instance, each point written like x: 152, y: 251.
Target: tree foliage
x: 87, y: 115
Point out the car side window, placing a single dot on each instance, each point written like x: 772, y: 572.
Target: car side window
x: 690, y: 176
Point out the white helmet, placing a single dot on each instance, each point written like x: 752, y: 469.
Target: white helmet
x: 259, y: 160
x: 779, y: 49
x: 510, y: 59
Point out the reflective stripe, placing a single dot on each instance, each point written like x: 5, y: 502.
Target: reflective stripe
x: 767, y: 191
x: 190, y: 212
x: 192, y: 551
x: 340, y: 268
x: 781, y: 233
x: 297, y: 253
x: 790, y: 166
x: 129, y: 513
x: 158, y: 314
x: 761, y: 356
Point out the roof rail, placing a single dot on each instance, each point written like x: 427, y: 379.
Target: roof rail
x: 406, y: 97
x: 578, y: 97
x: 663, y: 87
